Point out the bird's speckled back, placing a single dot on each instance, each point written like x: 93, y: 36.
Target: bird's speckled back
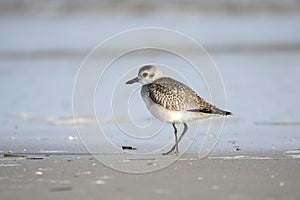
x: 174, y: 95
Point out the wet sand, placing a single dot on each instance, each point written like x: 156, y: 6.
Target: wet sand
x: 216, y: 177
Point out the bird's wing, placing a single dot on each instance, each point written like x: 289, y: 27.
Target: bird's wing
x: 164, y: 96
x: 176, y: 96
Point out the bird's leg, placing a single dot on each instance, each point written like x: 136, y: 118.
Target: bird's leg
x: 177, y: 142
x: 184, y: 131
x: 176, y: 139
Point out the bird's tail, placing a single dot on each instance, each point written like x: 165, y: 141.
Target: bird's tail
x: 221, y: 112
x: 213, y: 110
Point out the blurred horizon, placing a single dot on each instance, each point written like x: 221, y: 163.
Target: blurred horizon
x: 69, y: 29
x: 64, y: 7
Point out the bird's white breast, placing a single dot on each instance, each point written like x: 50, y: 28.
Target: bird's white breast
x: 170, y: 116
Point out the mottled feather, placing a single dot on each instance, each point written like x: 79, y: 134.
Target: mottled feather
x: 176, y: 96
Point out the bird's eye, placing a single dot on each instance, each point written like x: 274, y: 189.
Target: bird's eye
x: 145, y: 74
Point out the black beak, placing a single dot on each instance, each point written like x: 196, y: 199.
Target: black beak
x: 133, y: 81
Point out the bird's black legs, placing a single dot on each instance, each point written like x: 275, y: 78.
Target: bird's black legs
x: 177, y: 140
x: 184, y: 131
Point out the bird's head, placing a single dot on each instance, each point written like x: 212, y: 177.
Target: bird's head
x: 146, y: 75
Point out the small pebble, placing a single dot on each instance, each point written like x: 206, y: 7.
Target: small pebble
x: 237, y: 148
x: 71, y: 138
x: 281, y: 184
x: 38, y: 173
x: 151, y: 163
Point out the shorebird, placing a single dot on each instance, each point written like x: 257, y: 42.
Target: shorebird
x: 172, y: 101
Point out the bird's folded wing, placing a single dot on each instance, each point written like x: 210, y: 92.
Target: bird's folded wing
x: 176, y: 96
x: 164, y: 96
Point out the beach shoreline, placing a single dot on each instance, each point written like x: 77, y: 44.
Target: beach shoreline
x: 215, y: 177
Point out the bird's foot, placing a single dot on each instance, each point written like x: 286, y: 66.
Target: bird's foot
x: 171, y: 152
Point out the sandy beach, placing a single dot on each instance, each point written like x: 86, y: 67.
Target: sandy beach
x: 254, y: 47
x: 217, y: 177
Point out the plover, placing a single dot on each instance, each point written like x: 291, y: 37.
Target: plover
x: 172, y: 101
